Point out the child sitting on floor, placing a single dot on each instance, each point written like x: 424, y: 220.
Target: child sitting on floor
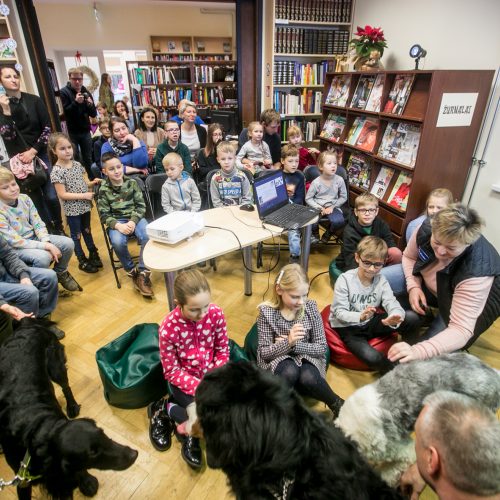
x: 327, y: 193
x: 359, y: 293
x: 255, y: 154
x: 229, y: 186
x: 179, y: 192
x: 307, y: 156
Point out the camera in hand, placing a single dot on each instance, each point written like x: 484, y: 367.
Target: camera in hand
x: 86, y: 95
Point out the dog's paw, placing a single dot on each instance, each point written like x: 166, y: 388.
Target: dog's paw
x: 88, y: 485
x: 73, y: 410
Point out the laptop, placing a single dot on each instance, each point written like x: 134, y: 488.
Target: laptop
x: 273, y: 205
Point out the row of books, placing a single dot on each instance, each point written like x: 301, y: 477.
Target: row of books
x: 211, y: 74
x: 294, y: 73
x: 310, y: 41
x: 359, y: 173
x: 327, y: 11
x: 297, y: 102
x: 216, y: 95
x: 309, y: 128
x: 158, y: 75
x: 399, y: 143
x: 369, y: 91
x: 159, y: 97
x: 189, y: 57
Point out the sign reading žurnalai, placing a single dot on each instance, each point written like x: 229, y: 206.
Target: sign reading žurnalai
x: 457, y: 109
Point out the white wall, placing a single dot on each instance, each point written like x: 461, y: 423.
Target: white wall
x: 457, y: 34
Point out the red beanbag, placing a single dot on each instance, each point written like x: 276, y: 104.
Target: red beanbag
x: 340, y: 355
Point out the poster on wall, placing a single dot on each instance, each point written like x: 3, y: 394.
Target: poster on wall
x: 456, y: 109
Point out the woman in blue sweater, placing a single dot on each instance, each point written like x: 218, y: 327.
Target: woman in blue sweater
x: 132, y: 152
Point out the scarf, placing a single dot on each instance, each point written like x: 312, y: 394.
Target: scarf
x: 119, y: 148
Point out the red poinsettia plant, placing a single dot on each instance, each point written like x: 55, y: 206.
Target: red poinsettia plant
x: 369, y: 39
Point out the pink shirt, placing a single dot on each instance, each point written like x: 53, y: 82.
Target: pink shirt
x: 189, y: 349
x: 469, y: 299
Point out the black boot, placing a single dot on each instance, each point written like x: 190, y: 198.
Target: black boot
x: 335, y: 406
x: 94, y: 258
x: 191, y: 452
x: 86, y: 266
x: 160, y: 426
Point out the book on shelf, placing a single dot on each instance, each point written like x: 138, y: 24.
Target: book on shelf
x: 399, y: 94
x: 400, y: 191
x: 358, y: 171
x: 309, y: 128
x: 53, y: 79
x: 200, y: 46
x: 400, y: 143
x: 298, y: 101
x: 375, y: 99
x: 362, y: 92
x: 354, y: 131
x: 60, y: 108
x: 292, y: 40
x: 339, y: 90
x: 327, y: 11
x: 382, y: 182
x: 296, y: 73
x: 333, y: 127
x: 367, y: 135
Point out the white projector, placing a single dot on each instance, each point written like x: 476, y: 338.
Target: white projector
x: 175, y: 227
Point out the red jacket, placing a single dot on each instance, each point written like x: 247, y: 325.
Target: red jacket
x: 189, y: 349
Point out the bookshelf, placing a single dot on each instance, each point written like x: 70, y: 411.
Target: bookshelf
x: 57, y: 94
x: 191, y: 48
x: 300, y: 41
x: 162, y: 84
x: 411, y: 139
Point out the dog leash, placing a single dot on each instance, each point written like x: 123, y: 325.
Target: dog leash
x: 23, y: 477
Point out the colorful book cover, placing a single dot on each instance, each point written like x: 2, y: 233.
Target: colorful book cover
x: 388, y: 141
x: 367, y: 135
x: 408, y: 144
x: 398, y: 96
x: 362, y: 92
x: 374, y: 101
x: 382, y: 182
x: 365, y: 176
x: 333, y: 127
x: 358, y: 171
x: 339, y: 90
x: 400, y: 192
x: 355, y: 129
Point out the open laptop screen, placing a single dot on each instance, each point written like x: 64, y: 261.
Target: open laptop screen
x: 270, y: 193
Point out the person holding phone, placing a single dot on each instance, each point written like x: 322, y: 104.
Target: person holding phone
x: 79, y: 107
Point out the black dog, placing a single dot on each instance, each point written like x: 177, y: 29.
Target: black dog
x: 270, y: 445
x: 31, y: 418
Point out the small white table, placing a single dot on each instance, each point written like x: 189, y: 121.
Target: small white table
x: 216, y: 240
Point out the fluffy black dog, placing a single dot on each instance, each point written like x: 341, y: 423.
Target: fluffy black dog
x: 270, y: 445
x: 31, y: 418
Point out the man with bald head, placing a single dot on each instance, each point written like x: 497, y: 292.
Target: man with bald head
x: 457, y: 443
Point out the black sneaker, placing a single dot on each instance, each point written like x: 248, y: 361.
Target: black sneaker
x: 294, y: 259
x: 191, y: 452
x: 160, y: 426
x: 94, y: 258
x: 86, y: 266
x: 326, y: 237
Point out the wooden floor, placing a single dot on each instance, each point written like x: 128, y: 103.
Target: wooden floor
x: 102, y: 312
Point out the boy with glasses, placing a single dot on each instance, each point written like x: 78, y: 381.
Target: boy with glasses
x: 365, y: 222
x: 364, y: 306
x: 172, y: 144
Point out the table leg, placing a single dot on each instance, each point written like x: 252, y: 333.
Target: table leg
x: 306, y: 246
x: 169, y: 283
x: 247, y: 257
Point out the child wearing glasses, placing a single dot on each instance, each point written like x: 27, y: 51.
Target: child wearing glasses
x: 364, y: 306
x: 365, y: 222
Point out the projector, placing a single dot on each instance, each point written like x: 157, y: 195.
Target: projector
x: 175, y: 227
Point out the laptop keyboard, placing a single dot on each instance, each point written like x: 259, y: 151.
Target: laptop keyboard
x: 291, y: 216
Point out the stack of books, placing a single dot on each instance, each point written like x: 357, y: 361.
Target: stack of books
x: 326, y: 11
x: 294, y: 73
x: 310, y: 41
x: 298, y: 102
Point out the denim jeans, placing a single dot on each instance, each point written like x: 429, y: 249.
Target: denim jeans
x: 79, y: 225
x: 36, y: 257
x: 119, y: 243
x: 39, y: 298
x: 395, y: 276
x: 336, y: 219
x: 294, y: 241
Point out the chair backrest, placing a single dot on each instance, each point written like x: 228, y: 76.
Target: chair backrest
x: 208, y: 180
x: 154, y: 183
x: 311, y: 172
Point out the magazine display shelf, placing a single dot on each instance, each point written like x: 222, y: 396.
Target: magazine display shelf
x: 444, y: 153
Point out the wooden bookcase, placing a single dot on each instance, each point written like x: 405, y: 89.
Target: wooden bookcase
x: 210, y: 84
x: 191, y: 48
x: 306, y: 35
x: 444, y: 153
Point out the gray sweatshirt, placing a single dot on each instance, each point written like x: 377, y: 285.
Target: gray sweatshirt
x: 351, y: 298
x: 181, y: 194
x: 257, y: 153
x: 319, y: 195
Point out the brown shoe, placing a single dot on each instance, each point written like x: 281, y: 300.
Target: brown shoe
x: 142, y: 283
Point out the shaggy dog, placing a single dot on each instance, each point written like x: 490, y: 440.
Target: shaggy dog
x: 380, y: 417
x: 270, y: 445
x: 31, y: 418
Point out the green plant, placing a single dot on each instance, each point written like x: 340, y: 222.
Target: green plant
x: 369, y: 39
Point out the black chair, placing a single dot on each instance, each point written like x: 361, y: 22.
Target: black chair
x: 154, y: 183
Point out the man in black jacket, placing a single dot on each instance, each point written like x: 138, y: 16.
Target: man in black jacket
x: 78, y: 107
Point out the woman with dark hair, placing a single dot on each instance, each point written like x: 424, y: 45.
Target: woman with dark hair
x: 149, y: 132
x: 120, y: 110
x: 25, y: 129
x: 131, y: 151
x: 105, y: 93
x: 192, y: 135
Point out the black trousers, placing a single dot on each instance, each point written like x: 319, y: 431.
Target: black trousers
x: 84, y: 142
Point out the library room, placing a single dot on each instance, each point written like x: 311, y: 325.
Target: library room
x: 249, y: 249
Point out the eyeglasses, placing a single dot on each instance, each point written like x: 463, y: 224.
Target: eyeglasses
x: 172, y: 130
x: 366, y: 210
x: 369, y: 263
x: 76, y: 78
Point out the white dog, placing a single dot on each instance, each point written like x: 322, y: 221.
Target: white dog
x: 380, y: 417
